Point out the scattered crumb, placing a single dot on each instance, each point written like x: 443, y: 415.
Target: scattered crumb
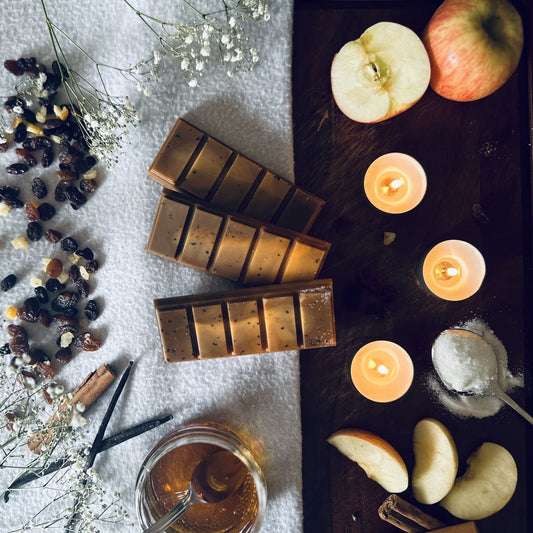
x: 388, y: 237
x: 11, y: 313
x: 20, y: 243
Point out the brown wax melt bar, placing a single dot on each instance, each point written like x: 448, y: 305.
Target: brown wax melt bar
x: 273, y: 318
x: 193, y: 162
x: 236, y: 247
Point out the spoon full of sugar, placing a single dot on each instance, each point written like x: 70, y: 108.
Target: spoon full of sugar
x: 467, y: 363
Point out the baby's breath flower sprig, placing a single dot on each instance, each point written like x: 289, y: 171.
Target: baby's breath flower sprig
x: 104, y: 119
x: 223, y: 30
x: 25, y: 414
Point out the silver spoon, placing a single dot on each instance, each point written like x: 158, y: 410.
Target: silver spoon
x: 491, y: 387
x: 216, y: 478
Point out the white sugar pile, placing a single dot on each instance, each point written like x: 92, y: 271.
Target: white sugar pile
x: 467, y: 366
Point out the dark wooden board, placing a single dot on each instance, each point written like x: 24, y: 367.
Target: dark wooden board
x: 476, y: 152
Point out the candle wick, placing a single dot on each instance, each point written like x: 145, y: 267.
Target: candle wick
x: 391, y: 186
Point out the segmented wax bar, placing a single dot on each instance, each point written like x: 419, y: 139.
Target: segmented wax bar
x: 191, y: 161
x: 254, y: 320
x: 232, y: 246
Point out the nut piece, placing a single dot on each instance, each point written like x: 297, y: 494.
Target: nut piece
x: 20, y: 243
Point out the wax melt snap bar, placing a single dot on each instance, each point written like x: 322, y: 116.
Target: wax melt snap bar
x: 253, y: 320
x: 236, y: 247
x: 191, y: 161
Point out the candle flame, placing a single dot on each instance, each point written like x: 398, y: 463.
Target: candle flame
x: 391, y: 186
x: 382, y: 369
x: 446, y: 271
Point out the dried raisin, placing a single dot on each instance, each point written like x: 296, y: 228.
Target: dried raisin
x: 34, y: 231
x: 17, y: 168
x: 38, y: 188
x: 27, y: 63
x: 60, y: 191
x: 12, y: 102
x: 14, y: 330
x: 91, y: 310
x: 8, y: 282
x: 75, y: 196
x: 52, y: 236
x: 64, y: 301
x: 47, y: 158
x: 19, y: 344
x: 54, y: 267
x: 69, y: 245
x: 8, y: 192
x: 47, y: 211
x: 29, y: 310
x: 5, y: 349
x: 54, y: 285
x: 41, y: 295
x: 88, y: 185
x: 87, y: 342
x: 32, y: 212
x: 12, y: 66
x: 86, y: 253
x: 74, y: 273
x: 20, y: 133
x: 26, y: 156
x: 83, y: 165
x: 91, y: 266
x: 83, y: 288
x: 64, y: 355
x: 37, y: 143
x: 60, y: 70
x: 45, y: 318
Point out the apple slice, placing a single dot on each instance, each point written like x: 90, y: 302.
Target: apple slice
x: 436, y: 461
x: 381, y: 74
x: 487, y: 485
x: 380, y: 461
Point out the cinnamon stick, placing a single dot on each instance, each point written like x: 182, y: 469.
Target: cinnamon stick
x: 86, y: 393
x: 406, y: 516
x: 465, y: 527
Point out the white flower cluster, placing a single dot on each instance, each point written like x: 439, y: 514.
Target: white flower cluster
x: 24, y: 413
x: 219, y: 36
x: 105, y: 122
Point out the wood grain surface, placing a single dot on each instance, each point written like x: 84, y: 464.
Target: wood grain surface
x: 475, y: 153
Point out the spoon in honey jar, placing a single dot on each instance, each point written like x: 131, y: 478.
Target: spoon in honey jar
x: 216, y: 478
x: 467, y: 363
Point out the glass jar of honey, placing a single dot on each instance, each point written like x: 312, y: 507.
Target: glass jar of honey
x: 166, y: 472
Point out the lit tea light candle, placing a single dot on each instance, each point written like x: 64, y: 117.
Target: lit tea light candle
x: 382, y: 371
x: 453, y: 270
x: 395, y: 183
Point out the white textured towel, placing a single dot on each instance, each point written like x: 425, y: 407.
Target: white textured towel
x: 250, y: 112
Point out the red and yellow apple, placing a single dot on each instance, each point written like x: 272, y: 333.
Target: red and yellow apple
x: 474, y: 47
x: 381, y: 74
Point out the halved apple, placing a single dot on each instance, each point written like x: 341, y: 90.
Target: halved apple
x: 380, y: 461
x: 486, y: 487
x: 381, y: 74
x: 435, y: 461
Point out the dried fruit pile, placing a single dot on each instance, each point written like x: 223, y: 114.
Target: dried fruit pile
x: 44, y: 132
